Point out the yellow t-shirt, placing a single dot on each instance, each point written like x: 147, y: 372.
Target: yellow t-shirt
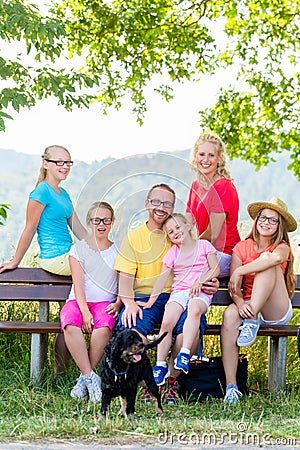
x: 141, y: 255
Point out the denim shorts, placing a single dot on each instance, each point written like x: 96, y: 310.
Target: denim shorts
x: 151, y: 316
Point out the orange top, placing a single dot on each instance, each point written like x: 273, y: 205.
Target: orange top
x: 245, y: 251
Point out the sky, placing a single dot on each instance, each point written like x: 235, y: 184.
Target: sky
x: 90, y: 135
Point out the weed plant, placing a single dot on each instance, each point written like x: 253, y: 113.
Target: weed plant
x: 48, y: 412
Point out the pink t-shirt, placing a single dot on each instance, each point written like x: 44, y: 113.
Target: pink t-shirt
x: 188, y: 267
x: 222, y: 197
x: 245, y: 251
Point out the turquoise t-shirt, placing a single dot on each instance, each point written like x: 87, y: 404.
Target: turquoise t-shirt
x: 53, y: 234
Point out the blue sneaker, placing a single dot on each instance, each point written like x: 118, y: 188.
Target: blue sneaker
x: 248, y: 332
x: 182, y: 362
x: 160, y: 373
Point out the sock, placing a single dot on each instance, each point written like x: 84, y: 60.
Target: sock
x: 185, y: 350
x: 161, y: 363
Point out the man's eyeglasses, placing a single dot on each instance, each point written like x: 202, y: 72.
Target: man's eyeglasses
x: 97, y: 220
x: 61, y: 163
x: 271, y: 220
x: 157, y: 202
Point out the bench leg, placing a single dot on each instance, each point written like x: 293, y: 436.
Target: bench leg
x: 277, y: 354
x: 39, y: 346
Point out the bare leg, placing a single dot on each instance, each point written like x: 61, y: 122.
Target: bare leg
x: 61, y: 355
x: 269, y: 294
x: 172, y: 314
x: 196, y: 308
x: 77, y: 346
x: 99, y: 338
x: 230, y: 351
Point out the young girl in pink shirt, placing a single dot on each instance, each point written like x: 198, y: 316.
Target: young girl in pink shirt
x: 192, y: 262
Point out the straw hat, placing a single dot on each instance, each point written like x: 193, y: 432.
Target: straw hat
x: 277, y: 205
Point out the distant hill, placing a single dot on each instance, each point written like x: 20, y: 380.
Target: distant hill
x: 125, y: 183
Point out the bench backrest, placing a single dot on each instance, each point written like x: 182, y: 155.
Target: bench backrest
x: 37, y: 284
x: 222, y: 297
x: 33, y: 284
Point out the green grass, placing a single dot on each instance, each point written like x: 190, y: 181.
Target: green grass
x: 49, y: 412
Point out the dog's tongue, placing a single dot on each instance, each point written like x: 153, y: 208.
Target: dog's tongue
x: 137, y: 357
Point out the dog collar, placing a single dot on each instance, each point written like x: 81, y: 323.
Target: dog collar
x: 117, y: 374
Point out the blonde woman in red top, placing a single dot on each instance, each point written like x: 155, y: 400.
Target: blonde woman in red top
x: 263, y: 265
x: 213, y: 203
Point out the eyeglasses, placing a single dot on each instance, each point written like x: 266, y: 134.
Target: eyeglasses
x: 157, y: 202
x: 97, y: 220
x: 61, y: 163
x: 271, y: 220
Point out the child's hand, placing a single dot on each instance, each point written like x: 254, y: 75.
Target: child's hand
x: 87, y: 322
x: 234, y: 282
x: 145, y: 305
x: 113, y: 309
x: 195, y: 289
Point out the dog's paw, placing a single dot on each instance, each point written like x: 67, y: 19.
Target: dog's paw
x: 102, y: 416
x: 122, y: 412
x: 159, y: 412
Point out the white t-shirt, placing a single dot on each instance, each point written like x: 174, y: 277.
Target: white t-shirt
x: 100, y: 278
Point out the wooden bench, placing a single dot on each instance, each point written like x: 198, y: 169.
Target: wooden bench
x: 32, y: 284
x: 26, y: 284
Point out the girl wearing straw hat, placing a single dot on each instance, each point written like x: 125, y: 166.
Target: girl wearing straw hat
x: 263, y: 265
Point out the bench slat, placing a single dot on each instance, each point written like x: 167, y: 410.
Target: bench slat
x: 38, y: 292
x: 34, y: 276
x: 29, y: 327
x: 213, y: 330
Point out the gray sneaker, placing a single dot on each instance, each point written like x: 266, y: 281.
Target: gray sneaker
x: 232, y: 396
x: 92, y: 384
x: 79, y: 391
x: 248, y: 332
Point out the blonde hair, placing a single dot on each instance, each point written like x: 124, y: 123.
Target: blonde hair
x: 47, y: 155
x: 220, y: 147
x: 97, y: 205
x: 176, y: 216
x: 280, y: 235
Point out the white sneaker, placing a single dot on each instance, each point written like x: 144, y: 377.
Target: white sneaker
x: 79, y: 390
x: 248, y: 332
x: 92, y: 384
x: 232, y: 395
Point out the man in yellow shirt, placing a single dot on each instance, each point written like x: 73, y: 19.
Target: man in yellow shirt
x: 139, y: 263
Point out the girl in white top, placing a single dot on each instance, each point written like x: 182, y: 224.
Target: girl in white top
x: 193, y: 262
x: 92, y: 306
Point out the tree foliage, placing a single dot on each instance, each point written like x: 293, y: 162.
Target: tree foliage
x: 25, y: 80
x: 102, y: 50
x: 3, y: 212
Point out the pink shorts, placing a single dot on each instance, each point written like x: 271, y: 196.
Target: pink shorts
x: 71, y: 315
